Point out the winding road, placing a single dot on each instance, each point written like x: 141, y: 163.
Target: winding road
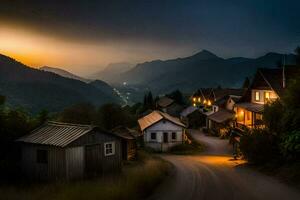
x: 213, y: 175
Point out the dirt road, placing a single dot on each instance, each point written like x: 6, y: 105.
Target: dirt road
x: 213, y: 175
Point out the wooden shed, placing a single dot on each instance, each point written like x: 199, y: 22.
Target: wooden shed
x: 58, y: 151
x: 129, y: 139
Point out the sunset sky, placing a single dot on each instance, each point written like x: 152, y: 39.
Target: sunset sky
x: 84, y: 36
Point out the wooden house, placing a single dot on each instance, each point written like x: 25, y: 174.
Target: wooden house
x: 168, y: 105
x: 129, y: 140
x: 58, y: 151
x: 267, y: 86
x: 161, y: 131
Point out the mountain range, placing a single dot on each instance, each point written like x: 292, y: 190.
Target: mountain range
x: 203, y: 69
x: 64, y: 73
x: 112, y: 72
x: 34, y: 89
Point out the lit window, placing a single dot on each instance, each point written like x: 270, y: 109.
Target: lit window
x: 194, y: 104
x: 209, y: 103
x: 173, y: 136
x: 153, y: 136
x: 194, y: 99
x: 267, y: 95
x: 204, y: 101
x: 109, y: 148
x: 199, y: 99
x: 256, y: 96
x: 42, y: 156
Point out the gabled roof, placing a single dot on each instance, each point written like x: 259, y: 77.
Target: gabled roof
x: 165, y: 102
x: 56, y: 134
x: 188, y: 111
x: 156, y: 116
x: 125, y: 132
x: 221, y: 116
x: 274, y: 77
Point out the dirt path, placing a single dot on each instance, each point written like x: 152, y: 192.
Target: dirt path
x: 213, y: 175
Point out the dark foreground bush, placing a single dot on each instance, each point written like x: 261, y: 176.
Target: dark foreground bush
x: 259, y: 147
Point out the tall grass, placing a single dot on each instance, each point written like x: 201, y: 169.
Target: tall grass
x: 137, y: 180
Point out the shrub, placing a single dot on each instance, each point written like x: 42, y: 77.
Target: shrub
x: 259, y: 147
x: 290, y: 145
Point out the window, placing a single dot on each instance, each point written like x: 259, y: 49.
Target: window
x: 109, y: 148
x: 173, y: 136
x: 267, y: 95
x: 153, y: 136
x: 257, y: 96
x: 42, y: 156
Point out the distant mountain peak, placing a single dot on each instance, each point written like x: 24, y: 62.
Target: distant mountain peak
x: 205, y: 55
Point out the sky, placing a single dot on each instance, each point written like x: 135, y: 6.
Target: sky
x: 84, y: 36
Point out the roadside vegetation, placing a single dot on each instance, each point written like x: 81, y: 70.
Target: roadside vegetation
x: 189, y: 147
x: 137, y: 180
x: 275, y: 149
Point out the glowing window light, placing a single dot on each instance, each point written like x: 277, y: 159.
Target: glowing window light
x: 199, y: 99
x: 209, y: 103
x: 194, y: 99
x: 204, y: 102
x: 194, y: 104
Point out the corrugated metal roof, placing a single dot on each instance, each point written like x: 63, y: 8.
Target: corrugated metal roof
x: 155, y: 117
x: 56, y: 133
x: 221, y: 116
x: 254, y: 107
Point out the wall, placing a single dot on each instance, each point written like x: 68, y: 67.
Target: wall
x: 159, y: 128
x: 55, y: 168
x: 75, y: 161
x: 262, y: 99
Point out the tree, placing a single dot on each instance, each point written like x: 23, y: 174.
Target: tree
x: 83, y: 113
x: 110, y: 116
x: 2, y: 100
x: 246, y: 83
x: 177, y: 97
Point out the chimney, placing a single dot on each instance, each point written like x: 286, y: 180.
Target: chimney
x: 283, y: 73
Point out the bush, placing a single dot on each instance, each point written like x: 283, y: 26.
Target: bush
x: 259, y: 147
x: 290, y: 145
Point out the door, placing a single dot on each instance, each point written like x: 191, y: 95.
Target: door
x: 165, y: 137
x: 93, y: 160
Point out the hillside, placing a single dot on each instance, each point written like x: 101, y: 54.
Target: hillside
x: 34, y: 89
x: 111, y: 73
x: 203, y: 69
x: 64, y: 73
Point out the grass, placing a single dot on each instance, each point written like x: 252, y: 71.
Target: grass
x: 137, y: 180
x: 190, y: 147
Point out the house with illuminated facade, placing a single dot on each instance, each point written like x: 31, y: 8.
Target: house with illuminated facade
x: 267, y: 86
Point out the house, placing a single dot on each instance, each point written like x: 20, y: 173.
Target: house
x: 267, y: 86
x: 129, y: 139
x: 169, y: 106
x: 61, y: 151
x: 221, y: 117
x: 161, y: 131
x: 192, y: 117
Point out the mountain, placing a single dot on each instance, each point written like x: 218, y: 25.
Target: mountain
x: 34, y: 89
x: 112, y: 72
x: 64, y: 73
x: 203, y: 69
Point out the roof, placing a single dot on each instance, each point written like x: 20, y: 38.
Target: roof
x: 156, y: 116
x: 165, y: 102
x: 254, y: 107
x: 274, y: 77
x: 56, y: 133
x: 125, y: 132
x: 221, y: 116
x: 188, y: 111
x: 216, y: 94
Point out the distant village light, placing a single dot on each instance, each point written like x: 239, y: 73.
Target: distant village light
x: 204, y: 102
x: 194, y: 104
